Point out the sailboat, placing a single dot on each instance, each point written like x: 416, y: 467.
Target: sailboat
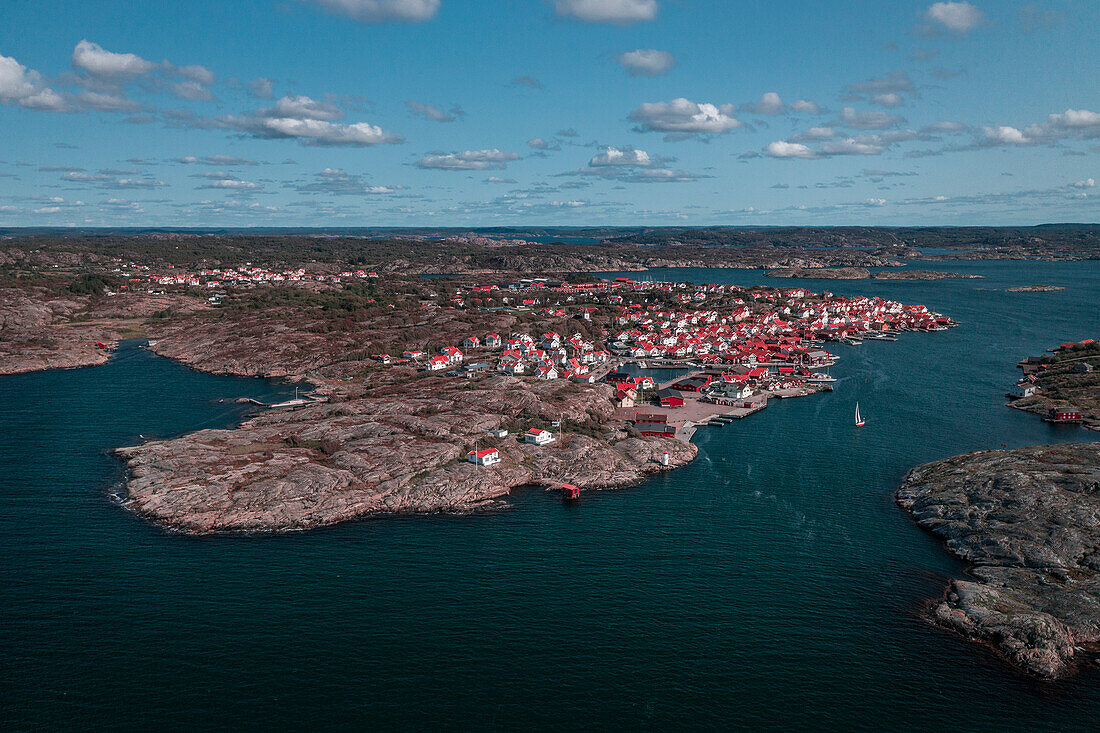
x: 859, y: 419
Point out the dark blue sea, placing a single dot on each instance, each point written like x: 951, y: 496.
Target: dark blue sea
x: 772, y: 584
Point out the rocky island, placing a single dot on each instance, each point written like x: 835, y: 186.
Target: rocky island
x: 1036, y: 289
x: 862, y: 273
x: 1029, y: 522
x: 421, y: 394
x: 1062, y: 386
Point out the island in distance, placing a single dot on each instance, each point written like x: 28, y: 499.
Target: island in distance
x: 862, y: 273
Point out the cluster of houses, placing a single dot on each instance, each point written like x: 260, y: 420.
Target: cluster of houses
x: 491, y: 456
x: 744, y: 336
x: 551, y: 357
x: 249, y: 275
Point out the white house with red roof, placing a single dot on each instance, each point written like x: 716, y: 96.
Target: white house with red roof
x: 538, y: 436
x: 486, y: 457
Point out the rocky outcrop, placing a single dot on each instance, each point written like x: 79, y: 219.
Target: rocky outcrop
x: 399, y: 449
x: 40, y: 330
x: 1029, y: 521
x: 862, y: 273
x: 1036, y: 289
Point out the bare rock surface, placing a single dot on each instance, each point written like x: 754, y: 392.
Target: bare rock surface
x: 1029, y: 521
x: 862, y: 273
x: 403, y: 452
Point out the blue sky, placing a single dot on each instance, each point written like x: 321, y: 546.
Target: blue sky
x: 540, y: 112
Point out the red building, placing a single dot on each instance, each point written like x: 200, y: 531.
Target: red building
x: 1064, y: 415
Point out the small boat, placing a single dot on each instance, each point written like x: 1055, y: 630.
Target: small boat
x: 643, y: 365
x: 570, y: 493
x: 859, y: 419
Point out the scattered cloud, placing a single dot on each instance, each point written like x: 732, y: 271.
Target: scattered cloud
x: 338, y: 182
x: 806, y: 106
x: 625, y: 156
x: 683, y: 118
x: 1087, y: 183
x: 896, y: 82
x: 262, y: 88
x: 93, y: 59
x: 382, y: 11
x: 26, y: 88
x: 538, y: 143
x: 430, y: 112
x: 646, y: 62
x: 527, y: 81
x: 468, y: 160
x: 890, y: 99
x: 219, y: 160
x: 814, y: 134
x: 784, y: 149
x: 959, y: 18
x: 617, y: 12
x: 769, y: 104
x: 309, y: 122
x: 1071, y: 124
x: 871, y: 120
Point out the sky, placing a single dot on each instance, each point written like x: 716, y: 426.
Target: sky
x: 466, y: 113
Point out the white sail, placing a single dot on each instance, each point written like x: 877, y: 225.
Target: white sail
x: 859, y: 420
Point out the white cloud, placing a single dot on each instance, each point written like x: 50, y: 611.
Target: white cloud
x: 783, y: 149
x: 196, y: 73
x: 107, y: 102
x: 1005, y: 135
x: 890, y: 99
x: 618, y: 12
x: 468, y: 160
x: 314, y: 132
x: 876, y: 202
x: 682, y: 116
x: 193, y: 91
x: 381, y: 11
x: 92, y: 58
x: 1087, y: 183
x: 232, y: 184
x: 262, y: 88
x: 805, y: 105
x: 303, y: 108
x: 861, y: 145
x: 22, y: 86
x: 956, y: 17
x: 873, y: 120
x: 813, y: 134
x: 626, y: 156
x: 646, y: 61
x: 1075, y: 119
x: 769, y: 104
x: 216, y: 160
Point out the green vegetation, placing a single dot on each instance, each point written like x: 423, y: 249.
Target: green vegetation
x: 90, y: 284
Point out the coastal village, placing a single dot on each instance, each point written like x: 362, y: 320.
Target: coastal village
x: 1062, y: 386
x: 722, y: 351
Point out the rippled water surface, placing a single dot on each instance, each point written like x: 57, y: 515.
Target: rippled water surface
x: 770, y: 584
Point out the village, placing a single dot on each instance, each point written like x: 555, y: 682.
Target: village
x: 676, y: 355
x: 728, y: 363
x: 1060, y: 386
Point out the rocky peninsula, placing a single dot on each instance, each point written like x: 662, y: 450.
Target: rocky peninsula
x: 399, y: 447
x: 1029, y: 522
x: 862, y: 273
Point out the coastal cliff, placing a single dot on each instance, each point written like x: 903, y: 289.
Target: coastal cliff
x: 1029, y: 521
